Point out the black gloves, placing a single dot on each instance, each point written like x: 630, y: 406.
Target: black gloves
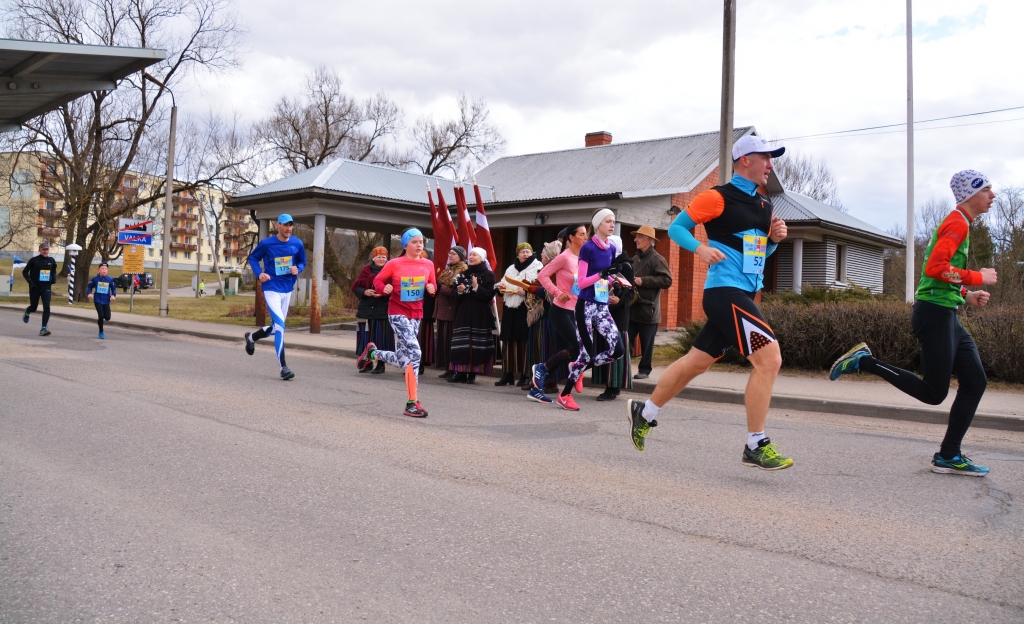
x: 615, y: 268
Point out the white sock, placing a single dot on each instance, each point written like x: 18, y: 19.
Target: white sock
x: 753, y: 439
x: 650, y: 411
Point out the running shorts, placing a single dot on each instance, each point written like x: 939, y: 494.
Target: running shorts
x: 734, y: 322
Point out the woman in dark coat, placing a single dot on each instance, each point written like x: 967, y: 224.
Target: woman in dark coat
x: 426, y: 333
x: 540, y: 346
x: 372, y: 314
x: 444, y: 307
x: 618, y: 374
x: 472, y: 348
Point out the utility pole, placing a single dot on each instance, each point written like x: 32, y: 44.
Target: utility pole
x: 910, y: 157
x: 728, y: 92
x: 199, y: 248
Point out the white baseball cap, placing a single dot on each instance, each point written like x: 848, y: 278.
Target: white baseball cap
x: 750, y: 144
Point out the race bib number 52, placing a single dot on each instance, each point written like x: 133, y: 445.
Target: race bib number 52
x: 755, y: 250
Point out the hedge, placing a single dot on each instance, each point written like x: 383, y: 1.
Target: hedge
x: 813, y: 335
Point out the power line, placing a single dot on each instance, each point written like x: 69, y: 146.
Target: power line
x: 896, y: 125
x: 977, y: 123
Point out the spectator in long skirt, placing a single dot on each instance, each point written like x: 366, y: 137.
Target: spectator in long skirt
x: 425, y: 337
x: 515, y: 330
x: 444, y: 307
x: 618, y: 374
x: 372, y: 313
x: 472, y: 349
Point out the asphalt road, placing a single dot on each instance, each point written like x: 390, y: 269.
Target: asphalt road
x: 156, y: 478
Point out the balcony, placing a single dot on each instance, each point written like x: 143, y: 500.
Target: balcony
x: 183, y: 247
x: 231, y: 237
x: 185, y: 201
x: 50, y: 232
x: 185, y: 216
x: 129, y: 191
x: 49, y: 175
x: 241, y: 253
x: 51, y: 214
x: 184, y: 230
x: 49, y: 192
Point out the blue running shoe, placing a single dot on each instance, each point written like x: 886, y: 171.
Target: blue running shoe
x: 536, y: 394
x: 24, y: 319
x: 849, y: 361
x: 102, y: 337
x: 44, y: 332
x: 961, y: 465
x: 540, y: 373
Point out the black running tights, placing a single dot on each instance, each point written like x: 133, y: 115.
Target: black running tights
x: 34, y: 296
x: 947, y: 349
x: 102, y: 312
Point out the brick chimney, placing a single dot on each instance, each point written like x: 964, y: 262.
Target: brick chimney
x: 598, y: 138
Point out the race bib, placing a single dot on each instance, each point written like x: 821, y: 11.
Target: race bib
x: 413, y: 287
x: 102, y: 288
x: 755, y: 250
x: 44, y: 275
x: 575, y: 285
x: 601, y: 291
x: 283, y: 265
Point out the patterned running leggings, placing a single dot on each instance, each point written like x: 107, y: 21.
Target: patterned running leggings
x: 407, y: 346
x: 592, y: 316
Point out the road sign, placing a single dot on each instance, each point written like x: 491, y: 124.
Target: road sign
x: 134, y: 259
x: 134, y: 232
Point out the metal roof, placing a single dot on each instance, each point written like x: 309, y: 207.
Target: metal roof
x: 800, y: 209
x: 37, y: 77
x: 356, y: 178
x: 635, y: 169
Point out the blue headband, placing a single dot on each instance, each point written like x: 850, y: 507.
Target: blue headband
x: 408, y: 235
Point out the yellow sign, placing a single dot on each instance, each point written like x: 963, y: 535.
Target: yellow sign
x: 134, y: 259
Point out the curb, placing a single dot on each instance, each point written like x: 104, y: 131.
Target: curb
x: 710, y: 395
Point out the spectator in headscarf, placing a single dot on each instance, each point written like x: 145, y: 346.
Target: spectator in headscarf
x: 472, y: 349
x: 444, y: 307
x: 372, y: 313
x: 515, y: 330
x: 617, y: 375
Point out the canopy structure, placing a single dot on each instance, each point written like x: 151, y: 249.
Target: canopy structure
x: 37, y: 77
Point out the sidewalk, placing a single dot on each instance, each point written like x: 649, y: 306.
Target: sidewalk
x: 853, y: 395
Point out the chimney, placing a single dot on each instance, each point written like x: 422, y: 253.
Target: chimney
x: 598, y: 138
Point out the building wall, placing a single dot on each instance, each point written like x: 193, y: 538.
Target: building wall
x: 863, y: 264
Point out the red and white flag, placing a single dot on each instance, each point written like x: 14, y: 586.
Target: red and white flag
x: 483, y: 231
x: 467, y: 237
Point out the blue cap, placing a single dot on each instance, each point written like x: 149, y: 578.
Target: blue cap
x: 285, y: 219
x: 408, y: 235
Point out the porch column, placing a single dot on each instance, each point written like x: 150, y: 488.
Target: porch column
x: 261, y: 303
x: 386, y: 242
x: 319, y: 233
x: 798, y: 265
x: 521, y: 235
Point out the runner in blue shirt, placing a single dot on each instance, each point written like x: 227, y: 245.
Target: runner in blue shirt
x: 102, y: 290
x: 283, y: 258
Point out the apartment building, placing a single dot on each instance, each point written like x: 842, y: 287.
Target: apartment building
x: 32, y: 210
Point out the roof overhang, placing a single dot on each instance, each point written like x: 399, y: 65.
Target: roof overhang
x: 36, y: 77
x: 817, y: 229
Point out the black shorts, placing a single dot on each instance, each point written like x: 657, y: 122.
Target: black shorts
x: 734, y: 321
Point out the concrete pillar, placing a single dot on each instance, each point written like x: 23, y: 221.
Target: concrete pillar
x: 522, y: 235
x: 798, y: 265
x: 316, y: 283
x: 386, y: 242
x: 261, y: 303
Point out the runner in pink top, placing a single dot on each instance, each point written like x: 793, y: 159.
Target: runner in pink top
x: 563, y: 314
x: 406, y: 278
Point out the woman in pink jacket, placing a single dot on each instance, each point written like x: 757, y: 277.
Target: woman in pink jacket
x: 564, y: 289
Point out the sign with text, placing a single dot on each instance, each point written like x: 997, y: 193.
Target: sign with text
x: 134, y: 231
x: 134, y: 259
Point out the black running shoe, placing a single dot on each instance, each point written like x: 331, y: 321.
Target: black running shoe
x: 415, y: 410
x: 765, y: 457
x: 24, y: 319
x: 286, y: 373
x: 250, y: 344
x: 638, y: 425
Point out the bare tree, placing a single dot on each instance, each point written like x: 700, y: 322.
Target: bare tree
x: 808, y: 176
x: 326, y: 123
x: 98, y: 139
x: 1007, y: 217
x: 459, y: 143
x: 19, y: 215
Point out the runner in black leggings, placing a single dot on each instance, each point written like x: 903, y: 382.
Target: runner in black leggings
x: 102, y: 290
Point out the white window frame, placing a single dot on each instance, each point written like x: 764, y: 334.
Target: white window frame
x: 842, y: 260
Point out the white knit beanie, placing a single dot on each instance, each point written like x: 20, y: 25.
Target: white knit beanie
x: 966, y: 184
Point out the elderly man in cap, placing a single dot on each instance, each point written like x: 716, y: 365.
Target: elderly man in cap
x: 283, y: 257
x: 41, y: 273
x: 651, y: 275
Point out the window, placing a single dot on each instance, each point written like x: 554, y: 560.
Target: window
x: 51, y: 205
x: 22, y: 184
x: 51, y: 168
x: 209, y: 258
x: 150, y: 251
x: 5, y: 220
x: 840, y: 263
x: 174, y: 254
x: 188, y: 255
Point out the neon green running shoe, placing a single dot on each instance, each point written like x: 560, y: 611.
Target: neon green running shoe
x: 638, y: 425
x: 849, y: 361
x: 766, y: 457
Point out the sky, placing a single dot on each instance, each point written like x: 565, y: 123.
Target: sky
x: 553, y: 71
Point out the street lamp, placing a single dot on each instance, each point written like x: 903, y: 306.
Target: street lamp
x: 165, y: 257
x: 72, y: 249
